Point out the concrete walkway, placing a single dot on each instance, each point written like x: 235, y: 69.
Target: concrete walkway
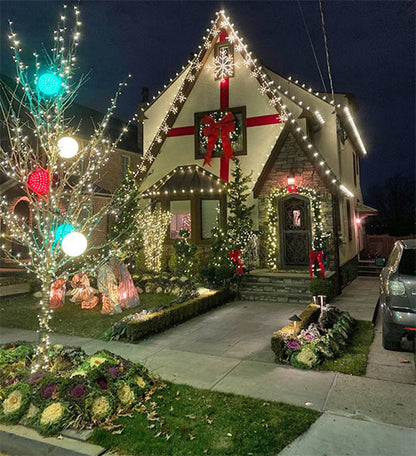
x: 229, y: 350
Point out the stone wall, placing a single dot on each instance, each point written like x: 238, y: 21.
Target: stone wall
x: 292, y: 160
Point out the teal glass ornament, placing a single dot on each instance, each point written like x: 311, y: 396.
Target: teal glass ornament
x: 49, y: 83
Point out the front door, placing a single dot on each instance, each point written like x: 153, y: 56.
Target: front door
x: 295, y: 231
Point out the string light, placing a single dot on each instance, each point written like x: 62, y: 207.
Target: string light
x: 48, y: 89
x: 152, y: 225
x: 266, y: 88
x: 272, y: 217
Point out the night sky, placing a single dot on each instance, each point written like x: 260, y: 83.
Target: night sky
x: 371, y: 45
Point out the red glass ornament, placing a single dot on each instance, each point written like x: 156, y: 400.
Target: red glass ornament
x: 39, y: 182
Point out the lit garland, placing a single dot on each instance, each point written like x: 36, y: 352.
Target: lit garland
x: 153, y: 225
x: 272, y: 219
x: 43, y: 94
x: 267, y: 88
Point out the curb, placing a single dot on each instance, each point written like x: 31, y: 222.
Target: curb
x: 22, y: 441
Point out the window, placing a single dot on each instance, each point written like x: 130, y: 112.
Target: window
x: 407, y: 264
x: 297, y: 218
x: 354, y: 168
x: 125, y: 163
x: 181, y: 217
x: 209, y: 212
x: 349, y: 220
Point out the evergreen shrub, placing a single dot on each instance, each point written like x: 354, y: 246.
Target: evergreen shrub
x: 172, y: 316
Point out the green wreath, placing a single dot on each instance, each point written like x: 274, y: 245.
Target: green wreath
x: 234, y: 135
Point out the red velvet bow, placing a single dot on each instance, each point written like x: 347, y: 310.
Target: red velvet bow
x: 292, y: 189
x: 316, y: 256
x: 212, y: 131
x: 235, y: 256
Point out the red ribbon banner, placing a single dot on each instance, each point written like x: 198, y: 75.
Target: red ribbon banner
x: 316, y: 256
x: 212, y: 131
x: 235, y: 256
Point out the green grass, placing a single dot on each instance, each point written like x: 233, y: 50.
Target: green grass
x: 21, y: 312
x: 203, y: 422
x: 354, y: 359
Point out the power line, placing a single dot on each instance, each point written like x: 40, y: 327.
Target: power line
x: 312, y: 46
x: 321, y: 8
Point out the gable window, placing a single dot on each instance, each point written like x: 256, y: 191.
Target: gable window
x: 125, y: 163
x: 181, y: 217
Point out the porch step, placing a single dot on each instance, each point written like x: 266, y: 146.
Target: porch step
x: 369, y: 269
x: 283, y: 287
x: 280, y: 297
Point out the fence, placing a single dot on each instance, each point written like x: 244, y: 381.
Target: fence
x: 380, y: 245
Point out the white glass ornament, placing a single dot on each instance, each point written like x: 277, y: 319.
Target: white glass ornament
x: 74, y: 244
x: 68, y: 147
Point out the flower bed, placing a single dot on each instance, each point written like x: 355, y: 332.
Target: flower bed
x: 77, y: 391
x: 142, y: 325
x: 318, y: 337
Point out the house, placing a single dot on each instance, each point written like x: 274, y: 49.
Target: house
x: 128, y: 154
x: 302, y: 149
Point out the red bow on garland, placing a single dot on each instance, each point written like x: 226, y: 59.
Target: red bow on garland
x: 235, y: 257
x: 292, y: 189
x: 316, y: 256
x: 212, y: 131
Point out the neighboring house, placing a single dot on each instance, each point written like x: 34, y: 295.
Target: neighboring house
x: 127, y: 154
x: 301, y: 148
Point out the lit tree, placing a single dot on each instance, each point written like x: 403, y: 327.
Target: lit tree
x: 43, y: 158
x: 237, y: 232
x: 153, y: 226
x: 125, y: 232
x: 185, y: 253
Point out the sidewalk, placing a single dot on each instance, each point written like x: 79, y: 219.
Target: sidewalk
x: 229, y: 350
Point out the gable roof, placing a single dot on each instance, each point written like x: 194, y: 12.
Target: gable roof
x: 191, y: 74
x: 185, y: 180
x: 275, y: 153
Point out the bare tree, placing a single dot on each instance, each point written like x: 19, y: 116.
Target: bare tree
x: 34, y: 114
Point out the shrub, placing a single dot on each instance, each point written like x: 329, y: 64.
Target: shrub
x: 320, y: 287
x: 166, y: 318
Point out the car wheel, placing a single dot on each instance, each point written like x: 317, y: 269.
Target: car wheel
x: 389, y: 344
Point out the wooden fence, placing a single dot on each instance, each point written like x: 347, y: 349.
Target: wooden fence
x: 380, y: 245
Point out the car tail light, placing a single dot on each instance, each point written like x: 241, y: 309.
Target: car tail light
x: 397, y: 288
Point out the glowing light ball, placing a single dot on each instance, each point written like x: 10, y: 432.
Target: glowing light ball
x: 61, y: 232
x: 49, y: 84
x: 38, y: 181
x: 74, y: 244
x: 67, y: 147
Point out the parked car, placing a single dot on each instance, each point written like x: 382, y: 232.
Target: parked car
x: 398, y: 295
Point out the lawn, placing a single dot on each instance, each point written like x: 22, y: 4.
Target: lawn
x: 194, y: 422
x: 354, y: 359
x: 21, y: 312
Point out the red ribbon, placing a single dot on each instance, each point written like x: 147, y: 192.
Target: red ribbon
x: 316, y: 256
x: 292, y: 189
x: 212, y: 131
x: 235, y: 256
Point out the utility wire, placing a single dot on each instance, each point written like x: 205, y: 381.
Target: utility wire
x: 321, y: 8
x: 312, y: 46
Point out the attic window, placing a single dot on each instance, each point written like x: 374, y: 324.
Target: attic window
x: 224, y: 61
